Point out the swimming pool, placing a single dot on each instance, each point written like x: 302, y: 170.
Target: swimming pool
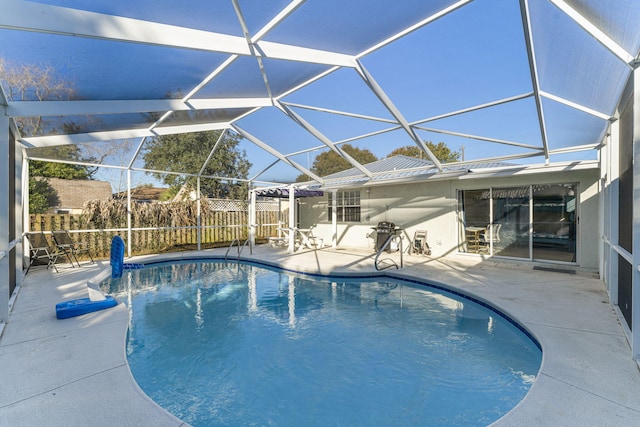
x: 219, y: 343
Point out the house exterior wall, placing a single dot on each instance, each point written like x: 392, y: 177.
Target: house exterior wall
x: 432, y: 206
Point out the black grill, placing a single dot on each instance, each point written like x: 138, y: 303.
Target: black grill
x: 383, y: 231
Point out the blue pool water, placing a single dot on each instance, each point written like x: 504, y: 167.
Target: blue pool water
x: 227, y: 344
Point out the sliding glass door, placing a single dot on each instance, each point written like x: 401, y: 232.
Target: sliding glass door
x: 530, y: 222
x: 474, y: 218
x: 511, y: 222
x: 554, y: 222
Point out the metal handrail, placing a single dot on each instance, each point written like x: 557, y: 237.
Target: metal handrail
x: 377, y: 261
x: 230, y: 246
x: 244, y: 245
x: 240, y: 248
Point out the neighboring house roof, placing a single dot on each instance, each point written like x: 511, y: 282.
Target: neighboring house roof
x: 73, y: 193
x: 403, y: 167
x: 142, y: 194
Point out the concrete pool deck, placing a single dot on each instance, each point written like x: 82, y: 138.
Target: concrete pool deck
x: 74, y: 372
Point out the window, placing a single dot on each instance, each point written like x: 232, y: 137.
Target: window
x: 347, y: 206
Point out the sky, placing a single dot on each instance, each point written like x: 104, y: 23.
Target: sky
x: 474, y: 55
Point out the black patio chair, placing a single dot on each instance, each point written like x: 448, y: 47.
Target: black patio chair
x: 39, y: 249
x: 69, y: 247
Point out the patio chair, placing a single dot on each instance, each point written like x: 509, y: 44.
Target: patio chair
x: 419, y: 244
x: 69, y: 247
x: 39, y: 249
x: 488, y: 236
x: 308, y: 239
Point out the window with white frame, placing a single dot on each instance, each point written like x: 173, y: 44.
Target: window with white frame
x: 347, y: 206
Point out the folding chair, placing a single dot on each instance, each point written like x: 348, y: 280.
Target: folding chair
x: 420, y: 245
x: 39, y: 249
x: 69, y: 247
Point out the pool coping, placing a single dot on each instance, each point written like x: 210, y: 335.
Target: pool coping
x: 587, y: 376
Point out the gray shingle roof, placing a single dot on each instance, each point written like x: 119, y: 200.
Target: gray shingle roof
x: 73, y: 193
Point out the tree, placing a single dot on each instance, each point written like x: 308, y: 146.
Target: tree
x: 188, y: 152
x: 41, y: 195
x: 26, y: 82
x: 440, y: 150
x: 331, y: 162
x: 61, y: 170
x: 31, y: 82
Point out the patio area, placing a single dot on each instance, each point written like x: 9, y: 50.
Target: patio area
x: 75, y: 372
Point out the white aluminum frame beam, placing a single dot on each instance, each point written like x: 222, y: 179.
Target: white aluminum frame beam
x: 252, y: 44
x: 479, y: 138
x: 36, y: 17
x: 255, y: 177
x: 64, y: 108
x: 6, y: 169
x: 635, y: 271
x: 338, y: 112
x: 133, y: 169
x: 227, y: 63
x: 213, y: 150
x: 595, y: 32
x: 412, y: 124
x: 322, y: 138
x: 49, y: 141
x: 474, y: 108
x: 197, y: 88
x: 268, y: 148
x: 533, y: 70
x: 395, y: 112
x: 279, y: 18
x: 136, y: 153
x: 576, y: 106
x: 415, y: 27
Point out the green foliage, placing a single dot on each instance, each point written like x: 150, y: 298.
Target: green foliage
x: 330, y: 162
x: 170, y: 194
x: 188, y: 152
x: 40, y: 195
x: 440, y: 150
x: 60, y: 170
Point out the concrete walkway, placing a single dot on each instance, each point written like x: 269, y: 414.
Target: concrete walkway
x: 74, y: 372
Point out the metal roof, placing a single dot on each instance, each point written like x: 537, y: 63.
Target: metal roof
x: 403, y: 168
x: 520, y: 81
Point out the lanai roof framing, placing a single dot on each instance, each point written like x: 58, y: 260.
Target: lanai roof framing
x: 21, y: 17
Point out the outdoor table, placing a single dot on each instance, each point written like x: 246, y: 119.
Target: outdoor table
x: 473, y: 238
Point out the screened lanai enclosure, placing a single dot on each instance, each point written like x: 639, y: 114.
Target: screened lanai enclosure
x: 523, y: 84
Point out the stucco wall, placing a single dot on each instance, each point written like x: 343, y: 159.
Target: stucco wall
x: 432, y: 206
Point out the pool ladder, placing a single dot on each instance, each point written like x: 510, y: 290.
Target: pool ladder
x: 384, y: 263
x: 236, y: 243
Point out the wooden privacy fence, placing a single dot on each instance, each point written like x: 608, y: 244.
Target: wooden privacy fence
x: 219, y: 228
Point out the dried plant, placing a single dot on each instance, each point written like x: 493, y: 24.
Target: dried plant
x: 112, y: 213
